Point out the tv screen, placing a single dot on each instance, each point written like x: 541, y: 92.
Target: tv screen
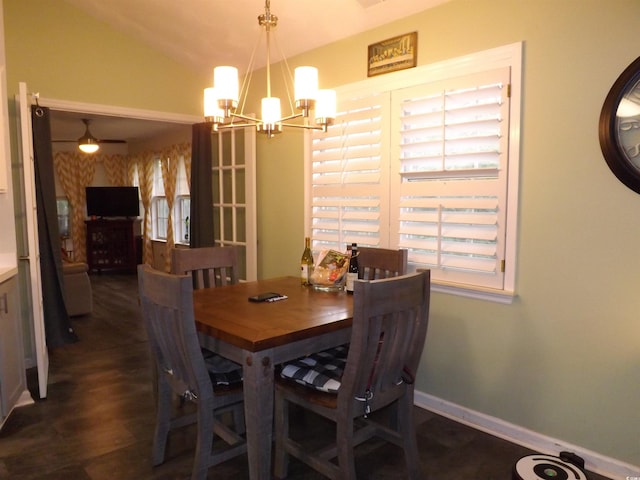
x: 113, y: 202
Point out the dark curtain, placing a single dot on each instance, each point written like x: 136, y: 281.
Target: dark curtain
x: 201, y: 192
x: 58, y: 328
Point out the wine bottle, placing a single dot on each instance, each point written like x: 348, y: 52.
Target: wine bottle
x: 306, y: 263
x: 352, y: 272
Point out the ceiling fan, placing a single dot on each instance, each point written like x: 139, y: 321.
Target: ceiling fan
x: 87, y: 142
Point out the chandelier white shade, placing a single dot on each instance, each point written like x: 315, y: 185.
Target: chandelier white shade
x: 224, y: 102
x: 325, y: 106
x: 271, y: 110
x: 225, y: 80
x: 306, y: 87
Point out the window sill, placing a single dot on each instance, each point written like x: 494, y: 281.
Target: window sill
x: 163, y: 240
x: 492, y: 295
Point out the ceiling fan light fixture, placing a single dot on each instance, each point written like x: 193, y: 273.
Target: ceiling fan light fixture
x: 88, y: 143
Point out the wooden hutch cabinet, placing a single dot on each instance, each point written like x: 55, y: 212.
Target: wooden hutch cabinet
x: 111, y: 244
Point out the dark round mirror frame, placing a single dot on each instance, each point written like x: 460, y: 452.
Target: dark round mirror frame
x: 611, y: 148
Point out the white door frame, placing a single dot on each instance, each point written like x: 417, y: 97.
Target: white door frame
x: 32, y: 256
x: 116, y: 111
x: 42, y: 358
x: 24, y: 100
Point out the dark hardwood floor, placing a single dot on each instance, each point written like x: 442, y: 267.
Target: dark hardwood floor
x: 97, y: 421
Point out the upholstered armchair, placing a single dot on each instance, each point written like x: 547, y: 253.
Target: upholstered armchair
x: 78, y: 296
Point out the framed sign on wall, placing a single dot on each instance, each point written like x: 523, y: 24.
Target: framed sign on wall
x: 392, y: 54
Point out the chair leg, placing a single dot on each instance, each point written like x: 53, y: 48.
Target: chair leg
x: 164, y: 397
x: 344, y: 443
x: 407, y: 432
x: 238, y: 419
x: 394, y: 416
x: 204, y: 443
x: 281, y: 418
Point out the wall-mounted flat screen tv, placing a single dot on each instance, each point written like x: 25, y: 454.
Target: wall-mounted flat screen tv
x: 113, y: 202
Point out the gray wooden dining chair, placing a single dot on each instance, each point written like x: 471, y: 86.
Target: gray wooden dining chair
x: 388, y: 335
x: 166, y: 301
x: 209, y: 266
x: 376, y: 263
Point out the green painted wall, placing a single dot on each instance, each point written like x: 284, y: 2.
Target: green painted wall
x: 65, y: 54
x: 563, y: 359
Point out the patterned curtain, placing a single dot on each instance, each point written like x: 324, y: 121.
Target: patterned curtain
x: 145, y: 174
x: 132, y: 169
x: 75, y: 172
x: 116, y: 169
x: 186, y: 155
x: 170, y: 161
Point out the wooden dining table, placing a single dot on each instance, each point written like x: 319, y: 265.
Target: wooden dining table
x: 260, y: 336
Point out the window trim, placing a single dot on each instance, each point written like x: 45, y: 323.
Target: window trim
x: 155, y: 200
x: 158, y: 194
x: 178, y: 224
x: 508, y: 55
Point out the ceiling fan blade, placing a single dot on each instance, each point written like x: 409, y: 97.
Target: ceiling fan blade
x: 88, y: 137
x: 99, y: 141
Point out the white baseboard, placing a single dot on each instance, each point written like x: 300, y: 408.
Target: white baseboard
x: 24, y: 399
x: 595, y: 462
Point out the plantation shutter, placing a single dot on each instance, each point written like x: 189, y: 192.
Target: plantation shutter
x: 449, y: 200
x: 350, y: 176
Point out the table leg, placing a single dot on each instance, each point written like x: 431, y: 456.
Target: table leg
x: 258, y: 407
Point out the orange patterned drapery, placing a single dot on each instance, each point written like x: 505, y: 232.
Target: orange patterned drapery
x: 116, y: 168
x: 145, y: 163
x: 186, y: 155
x: 75, y: 172
x: 169, y: 163
x: 132, y: 169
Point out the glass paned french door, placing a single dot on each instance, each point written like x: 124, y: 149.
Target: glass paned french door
x: 234, y: 194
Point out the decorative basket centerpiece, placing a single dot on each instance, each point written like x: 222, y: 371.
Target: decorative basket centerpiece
x: 329, y: 273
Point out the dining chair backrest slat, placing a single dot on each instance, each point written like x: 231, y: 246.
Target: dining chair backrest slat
x: 377, y: 263
x: 209, y: 266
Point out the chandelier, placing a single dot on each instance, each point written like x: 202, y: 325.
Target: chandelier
x: 221, y: 102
